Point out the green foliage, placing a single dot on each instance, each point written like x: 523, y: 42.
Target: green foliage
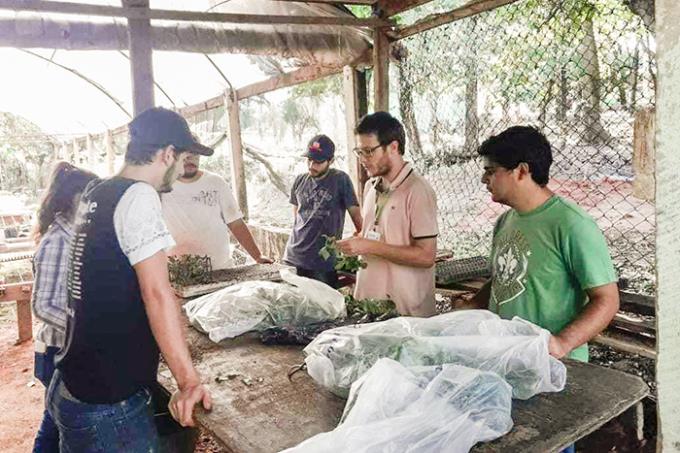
x: 187, y: 270
x: 25, y: 152
x: 342, y: 262
x: 370, y: 310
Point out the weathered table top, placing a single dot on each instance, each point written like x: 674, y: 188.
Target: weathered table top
x: 257, y: 409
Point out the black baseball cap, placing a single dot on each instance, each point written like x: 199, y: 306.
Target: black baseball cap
x: 161, y: 127
x: 320, y: 148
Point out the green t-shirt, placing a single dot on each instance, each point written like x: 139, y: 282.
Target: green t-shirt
x: 543, y: 261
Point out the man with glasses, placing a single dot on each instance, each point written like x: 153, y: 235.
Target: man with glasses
x: 550, y: 262
x: 320, y: 199
x: 399, y: 236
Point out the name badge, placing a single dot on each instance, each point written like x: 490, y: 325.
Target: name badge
x: 373, y: 235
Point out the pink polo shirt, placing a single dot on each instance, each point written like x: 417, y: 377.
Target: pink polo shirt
x: 410, y: 212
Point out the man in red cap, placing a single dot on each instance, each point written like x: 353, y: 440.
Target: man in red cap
x: 320, y: 199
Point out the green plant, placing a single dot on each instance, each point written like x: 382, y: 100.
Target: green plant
x: 342, y: 262
x: 186, y: 270
x: 370, y: 310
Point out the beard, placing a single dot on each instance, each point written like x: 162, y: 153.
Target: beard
x: 188, y: 174
x: 169, y: 178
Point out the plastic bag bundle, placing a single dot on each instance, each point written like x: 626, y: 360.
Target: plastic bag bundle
x: 515, y: 349
x: 258, y: 305
x: 393, y: 408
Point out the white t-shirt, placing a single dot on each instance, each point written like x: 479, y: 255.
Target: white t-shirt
x: 197, y: 214
x: 139, y: 224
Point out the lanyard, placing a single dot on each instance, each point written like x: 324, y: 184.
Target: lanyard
x: 380, y: 202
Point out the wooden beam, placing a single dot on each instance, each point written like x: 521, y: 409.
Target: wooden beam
x: 391, y: 7
x: 381, y: 67
x: 296, y: 77
x: 141, y: 59
x: 322, y: 47
x: 238, y: 172
x: 470, y: 9
x: 334, y: 2
x: 354, y: 88
x: 56, y: 7
x: 626, y: 343
x: 667, y: 219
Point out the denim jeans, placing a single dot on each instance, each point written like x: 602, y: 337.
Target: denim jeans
x: 47, y: 438
x: 330, y: 278
x: 126, y: 426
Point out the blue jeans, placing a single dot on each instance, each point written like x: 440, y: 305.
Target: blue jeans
x: 125, y: 427
x: 47, y: 438
x: 569, y: 449
x: 330, y: 278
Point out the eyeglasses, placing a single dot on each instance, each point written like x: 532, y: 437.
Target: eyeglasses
x: 365, y: 152
x: 491, y: 170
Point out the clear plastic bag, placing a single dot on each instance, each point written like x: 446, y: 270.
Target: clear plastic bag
x: 392, y: 408
x: 258, y: 305
x: 515, y: 349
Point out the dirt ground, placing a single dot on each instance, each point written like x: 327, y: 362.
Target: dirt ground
x: 21, y: 397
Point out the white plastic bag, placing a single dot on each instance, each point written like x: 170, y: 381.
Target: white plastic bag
x: 257, y: 305
x: 397, y: 409
x: 514, y: 349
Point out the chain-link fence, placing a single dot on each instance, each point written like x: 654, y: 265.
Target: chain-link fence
x: 577, y: 69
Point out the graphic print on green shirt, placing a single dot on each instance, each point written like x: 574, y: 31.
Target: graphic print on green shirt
x: 542, y: 263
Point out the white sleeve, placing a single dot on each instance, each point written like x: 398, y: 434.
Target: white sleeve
x: 139, y: 224
x: 230, y: 209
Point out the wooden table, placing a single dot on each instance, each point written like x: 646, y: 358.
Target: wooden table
x: 257, y: 409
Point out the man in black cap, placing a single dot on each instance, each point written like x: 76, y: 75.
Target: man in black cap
x: 122, y: 310
x: 320, y: 199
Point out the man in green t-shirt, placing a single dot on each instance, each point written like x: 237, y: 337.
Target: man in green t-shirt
x: 550, y: 263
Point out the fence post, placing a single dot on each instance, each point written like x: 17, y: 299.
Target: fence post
x: 643, y: 154
x: 667, y: 230
x: 238, y: 172
x: 354, y: 85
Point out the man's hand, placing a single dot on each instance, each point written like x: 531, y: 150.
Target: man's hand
x: 355, y: 246
x: 264, y: 260
x: 182, y: 403
x: 557, y: 347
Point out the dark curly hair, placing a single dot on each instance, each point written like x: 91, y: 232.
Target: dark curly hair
x: 519, y: 144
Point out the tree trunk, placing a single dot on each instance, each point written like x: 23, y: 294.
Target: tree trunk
x: 594, y: 131
x: 471, y: 108
x: 634, y: 75
x: 563, y: 106
x: 406, y: 109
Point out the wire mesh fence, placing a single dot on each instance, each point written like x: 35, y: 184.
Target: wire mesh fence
x: 579, y: 70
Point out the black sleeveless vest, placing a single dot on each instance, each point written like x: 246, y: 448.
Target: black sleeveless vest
x: 110, y: 352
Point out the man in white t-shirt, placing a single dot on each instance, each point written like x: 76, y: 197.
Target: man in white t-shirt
x: 200, y: 211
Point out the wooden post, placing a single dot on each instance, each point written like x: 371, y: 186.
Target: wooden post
x: 381, y: 66
x: 238, y: 172
x: 75, y: 150
x: 63, y: 151
x: 643, y: 154
x: 667, y: 219
x: 141, y: 62
x: 354, y: 84
x: 91, y: 159
x: 110, y: 155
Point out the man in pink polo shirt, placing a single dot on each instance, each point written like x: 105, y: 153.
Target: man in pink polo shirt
x: 399, y: 236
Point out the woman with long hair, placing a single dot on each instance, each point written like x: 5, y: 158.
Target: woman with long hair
x: 53, y: 233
